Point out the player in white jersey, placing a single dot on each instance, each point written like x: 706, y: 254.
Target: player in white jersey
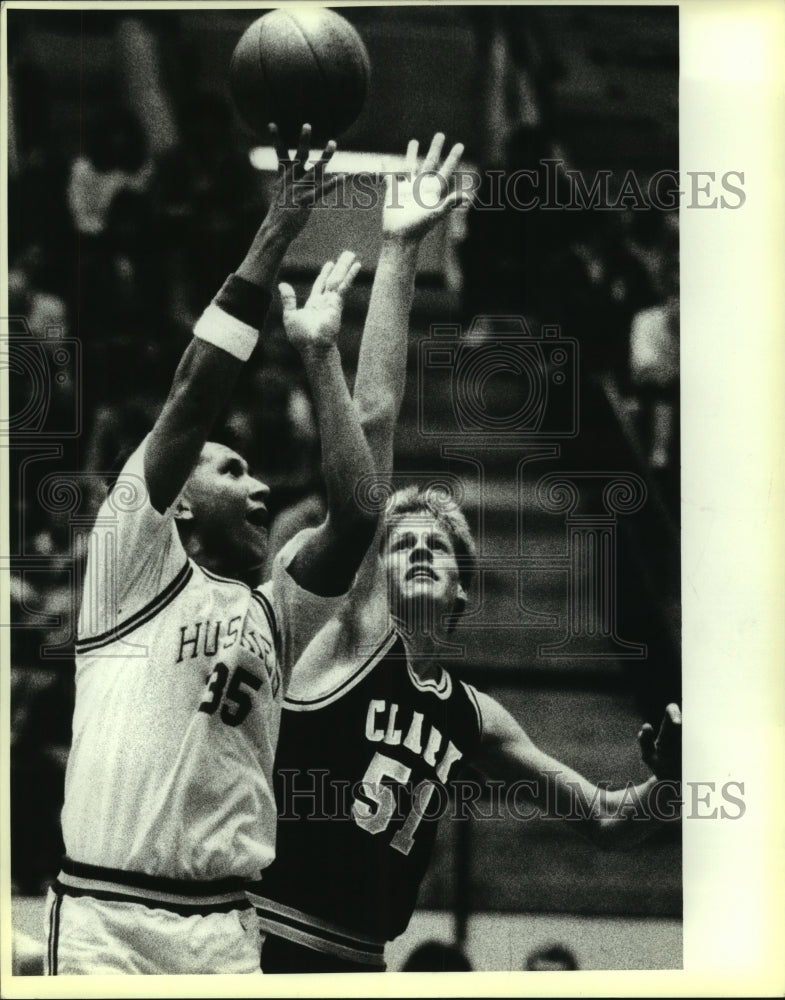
x: 371, y: 709
x: 181, y: 659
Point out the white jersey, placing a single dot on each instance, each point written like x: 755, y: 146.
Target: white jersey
x: 180, y: 676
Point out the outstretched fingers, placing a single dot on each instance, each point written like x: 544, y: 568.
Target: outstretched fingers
x: 646, y: 743
x: 323, y: 185
x: 327, y: 154
x: 663, y: 752
x: 321, y: 280
x: 348, y: 281
x: 432, y: 157
x: 303, y: 150
x: 339, y: 274
x: 288, y: 297
x: 670, y: 728
x: 303, y: 147
x: 279, y: 145
x: 411, y: 156
x: 451, y: 161
x: 673, y: 714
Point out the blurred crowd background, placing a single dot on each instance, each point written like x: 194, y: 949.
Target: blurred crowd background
x: 132, y: 195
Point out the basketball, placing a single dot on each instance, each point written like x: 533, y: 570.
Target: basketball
x: 306, y: 65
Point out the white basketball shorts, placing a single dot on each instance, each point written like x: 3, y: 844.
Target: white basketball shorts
x: 91, y: 936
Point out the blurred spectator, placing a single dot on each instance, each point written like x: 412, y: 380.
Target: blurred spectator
x: 115, y: 160
x: 553, y: 958
x: 210, y: 199
x: 30, y: 294
x: 118, y: 293
x: 654, y: 368
x: 108, y: 188
x: 37, y: 173
x: 436, y: 956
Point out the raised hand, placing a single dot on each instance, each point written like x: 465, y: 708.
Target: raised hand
x: 315, y: 326
x: 413, y: 205
x: 663, y: 753
x: 299, y: 186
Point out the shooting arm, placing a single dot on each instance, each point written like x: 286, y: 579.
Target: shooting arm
x: 224, y: 339
x: 615, y: 819
x: 202, y: 384
x: 227, y: 332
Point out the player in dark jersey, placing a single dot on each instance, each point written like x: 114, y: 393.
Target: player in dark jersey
x: 374, y: 729
x: 359, y: 768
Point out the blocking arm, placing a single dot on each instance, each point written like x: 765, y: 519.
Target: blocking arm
x: 611, y: 819
x: 414, y: 203
x: 325, y: 564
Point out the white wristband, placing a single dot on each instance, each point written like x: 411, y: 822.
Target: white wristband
x: 222, y: 330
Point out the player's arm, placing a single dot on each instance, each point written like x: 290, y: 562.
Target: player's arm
x: 226, y: 334
x: 609, y: 818
x: 326, y: 562
x: 414, y: 204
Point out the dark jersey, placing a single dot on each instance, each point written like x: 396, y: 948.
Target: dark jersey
x: 361, y: 777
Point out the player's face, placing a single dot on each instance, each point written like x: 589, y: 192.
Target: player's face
x: 421, y: 566
x: 228, y: 508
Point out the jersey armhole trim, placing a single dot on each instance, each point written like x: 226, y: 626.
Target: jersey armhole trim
x: 157, y: 604
x: 473, y: 699
x: 311, y: 704
x: 269, y: 611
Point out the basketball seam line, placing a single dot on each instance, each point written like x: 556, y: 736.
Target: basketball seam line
x: 267, y: 80
x: 322, y: 74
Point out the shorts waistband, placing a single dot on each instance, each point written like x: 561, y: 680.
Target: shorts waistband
x: 316, y: 933
x: 179, y: 895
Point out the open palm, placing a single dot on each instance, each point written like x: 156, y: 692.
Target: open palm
x: 415, y: 203
x: 317, y: 323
